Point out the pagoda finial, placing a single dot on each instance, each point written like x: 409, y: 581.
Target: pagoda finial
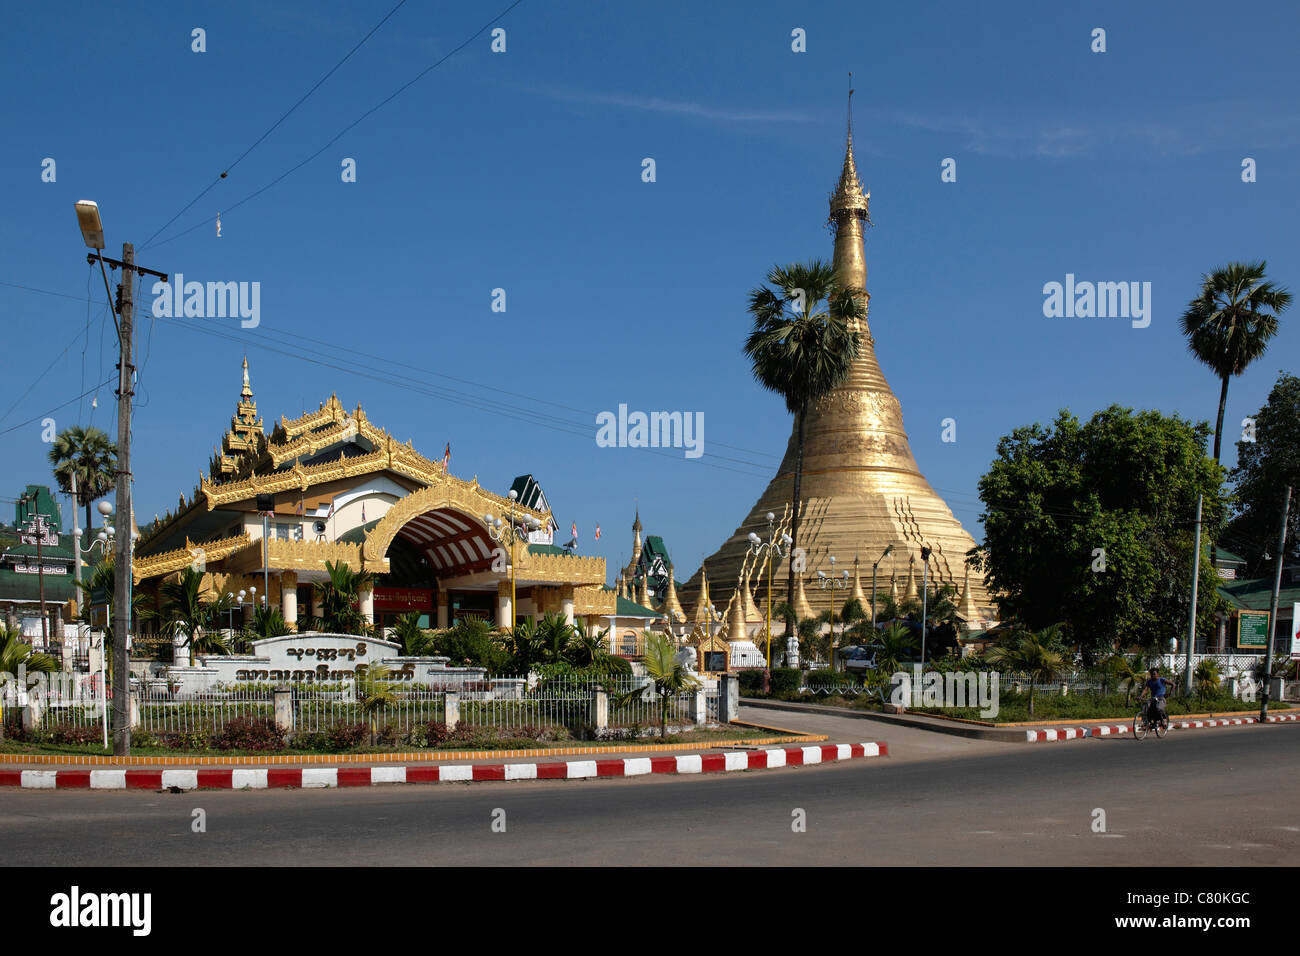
x: 247, y: 390
x: 848, y: 200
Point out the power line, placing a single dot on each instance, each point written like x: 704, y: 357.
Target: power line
x: 14, y: 428
x: 382, y: 103
x: 285, y: 115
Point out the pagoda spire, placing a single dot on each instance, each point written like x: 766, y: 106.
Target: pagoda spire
x: 247, y: 391
x: 848, y: 212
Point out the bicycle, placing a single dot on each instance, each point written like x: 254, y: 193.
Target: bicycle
x: 1142, y: 723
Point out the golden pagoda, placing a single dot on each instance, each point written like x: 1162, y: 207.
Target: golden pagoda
x: 862, y: 490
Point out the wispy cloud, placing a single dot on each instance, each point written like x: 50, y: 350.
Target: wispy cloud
x: 654, y: 104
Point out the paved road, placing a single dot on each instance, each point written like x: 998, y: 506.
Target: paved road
x: 1222, y: 796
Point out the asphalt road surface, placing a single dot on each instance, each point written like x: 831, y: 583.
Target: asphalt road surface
x: 1225, y: 796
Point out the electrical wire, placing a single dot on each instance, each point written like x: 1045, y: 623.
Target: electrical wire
x: 285, y: 115
x: 382, y: 103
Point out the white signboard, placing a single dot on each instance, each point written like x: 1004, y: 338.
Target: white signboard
x: 1295, y: 631
x: 38, y: 532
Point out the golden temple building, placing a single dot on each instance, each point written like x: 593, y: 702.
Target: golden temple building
x: 331, y: 486
x: 862, y: 490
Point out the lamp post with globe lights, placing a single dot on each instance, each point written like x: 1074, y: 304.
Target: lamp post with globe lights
x: 760, y: 548
x: 500, y: 531
x: 829, y: 582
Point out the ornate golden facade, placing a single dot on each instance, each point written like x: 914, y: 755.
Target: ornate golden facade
x: 862, y: 490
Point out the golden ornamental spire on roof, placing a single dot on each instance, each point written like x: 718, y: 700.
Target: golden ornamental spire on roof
x: 672, y: 607
x: 848, y: 200
x: 700, y: 613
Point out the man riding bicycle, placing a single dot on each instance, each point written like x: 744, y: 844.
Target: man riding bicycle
x: 1158, y: 687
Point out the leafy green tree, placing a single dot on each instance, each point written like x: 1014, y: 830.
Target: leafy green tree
x: 801, y: 352
x: 1230, y: 322
x: 340, y: 596
x: 1091, y: 524
x: 190, y: 608
x: 473, y: 642
x: 1265, y: 467
x: 1029, y: 653
x: 669, y: 675
x: 88, y: 454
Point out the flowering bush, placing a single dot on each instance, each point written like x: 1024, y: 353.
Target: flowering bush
x: 249, y: 733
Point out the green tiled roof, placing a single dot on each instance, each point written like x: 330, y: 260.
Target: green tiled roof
x: 27, y: 587
x: 1227, y: 557
x: 358, y: 535
x: 1256, y: 594
x: 626, y: 608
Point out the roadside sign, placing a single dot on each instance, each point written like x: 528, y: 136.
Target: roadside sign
x: 1252, y: 630
x: 1295, y: 631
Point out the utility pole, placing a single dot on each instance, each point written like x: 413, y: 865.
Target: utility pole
x: 122, y: 559
x: 1272, y: 614
x: 1191, y: 624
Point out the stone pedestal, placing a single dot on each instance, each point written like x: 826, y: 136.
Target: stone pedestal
x: 451, y: 709
x: 600, y: 709
x: 728, y: 698
x: 283, y: 698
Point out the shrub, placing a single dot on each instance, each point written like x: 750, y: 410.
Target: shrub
x: 825, y: 675
x: 73, y: 734
x: 785, y: 681
x: 313, y: 740
x: 249, y: 733
x: 751, y: 682
x: 345, y: 736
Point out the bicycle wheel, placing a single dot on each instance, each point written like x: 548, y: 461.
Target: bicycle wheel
x: 1139, y: 727
x: 1162, y: 726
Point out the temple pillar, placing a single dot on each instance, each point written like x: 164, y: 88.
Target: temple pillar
x: 289, y: 598
x: 444, y: 602
x: 566, y: 604
x: 367, y: 600
x: 504, y: 613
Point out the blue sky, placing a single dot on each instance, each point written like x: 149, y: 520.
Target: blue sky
x: 522, y: 171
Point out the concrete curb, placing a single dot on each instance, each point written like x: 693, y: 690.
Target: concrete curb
x: 1017, y: 735
x: 1078, y: 733
x: 261, y: 778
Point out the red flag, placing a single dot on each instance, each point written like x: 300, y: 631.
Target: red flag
x: 446, y: 458
x: 597, y: 532
x: 575, y: 529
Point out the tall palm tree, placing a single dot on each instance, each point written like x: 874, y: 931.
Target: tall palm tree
x: 800, y: 351
x: 1229, y: 324
x: 190, y: 608
x: 92, y: 457
x: 339, y: 597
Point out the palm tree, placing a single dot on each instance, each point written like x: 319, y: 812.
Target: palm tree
x: 339, y: 597
x: 1230, y: 323
x: 15, y: 652
x: 895, y: 642
x: 802, y: 353
x: 268, y: 621
x: 669, y: 674
x: 190, y: 608
x: 375, y: 693
x: 1129, y: 671
x: 88, y: 454
x: 1207, y: 677
x: 1030, y: 653
x: 103, y: 576
x: 415, y: 641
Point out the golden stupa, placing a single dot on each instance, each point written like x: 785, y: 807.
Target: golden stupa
x: 862, y: 490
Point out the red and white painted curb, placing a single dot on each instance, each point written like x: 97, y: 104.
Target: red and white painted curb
x: 1111, y: 730
x: 262, y: 778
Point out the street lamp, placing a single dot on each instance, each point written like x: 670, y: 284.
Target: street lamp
x: 886, y: 553
x: 759, y: 548
x: 499, y: 532
x: 830, y: 582
x: 925, y: 581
